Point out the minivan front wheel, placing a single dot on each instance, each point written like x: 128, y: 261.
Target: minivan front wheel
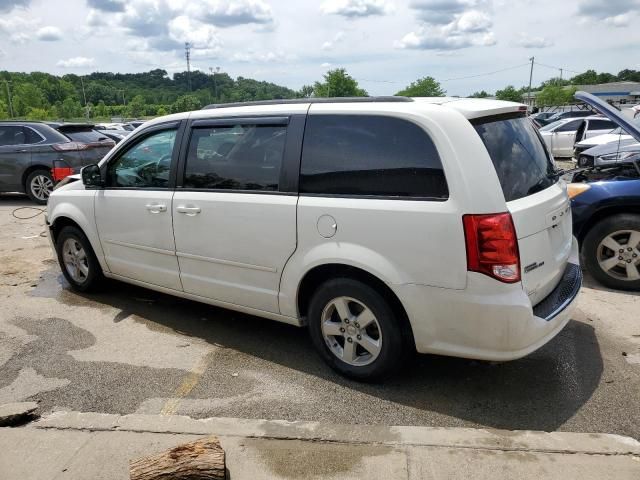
x: 78, y: 263
x: 355, y: 330
x: 39, y: 185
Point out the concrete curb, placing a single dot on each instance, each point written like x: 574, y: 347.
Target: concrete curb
x: 482, y: 439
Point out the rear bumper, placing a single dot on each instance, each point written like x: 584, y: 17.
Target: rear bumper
x: 488, y: 320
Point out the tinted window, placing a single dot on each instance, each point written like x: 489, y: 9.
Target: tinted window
x: 519, y: 156
x: 571, y: 126
x: 86, y: 136
x: 12, y: 135
x: 32, y: 136
x: 370, y: 155
x: 146, y: 164
x: 238, y: 157
x: 601, y: 125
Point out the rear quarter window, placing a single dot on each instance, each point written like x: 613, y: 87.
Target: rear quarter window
x: 370, y: 155
x: 519, y: 155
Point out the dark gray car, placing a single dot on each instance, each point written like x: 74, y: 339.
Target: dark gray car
x: 34, y: 155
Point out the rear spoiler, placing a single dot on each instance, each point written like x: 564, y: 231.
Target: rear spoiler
x: 75, y: 127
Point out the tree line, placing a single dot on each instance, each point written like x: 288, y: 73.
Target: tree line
x: 41, y: 96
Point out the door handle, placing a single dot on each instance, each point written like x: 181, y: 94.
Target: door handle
x: 188, y: 210
x: 156, y: 207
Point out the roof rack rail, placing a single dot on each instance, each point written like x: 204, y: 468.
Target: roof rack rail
x: 290, y: 101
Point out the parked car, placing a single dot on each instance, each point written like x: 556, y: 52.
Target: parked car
x: 564, y: 115
x: 617, y: 136
x: 115, y: 135
x: 608, y: 154
x: 130, y: 126
x: 34, y: 155
x: 560, y: 136
x: 385, y: 225
x: 606, y: 211
x: 540, y: 117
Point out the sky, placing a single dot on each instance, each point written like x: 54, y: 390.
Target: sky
x: 467, y: 45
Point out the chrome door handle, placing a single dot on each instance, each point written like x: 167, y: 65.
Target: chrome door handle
x: 156, y: 207
x: 188, y: 210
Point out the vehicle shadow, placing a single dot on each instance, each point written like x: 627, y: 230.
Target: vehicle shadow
x: 17, y: 200
x: 590, y: 282
x: 539, y: 392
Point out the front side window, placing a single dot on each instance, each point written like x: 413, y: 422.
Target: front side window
x: 370, y: 155
x: 571, y: 126
x: 601, y: 125
x: 146, y: 164
x: 235, y: 157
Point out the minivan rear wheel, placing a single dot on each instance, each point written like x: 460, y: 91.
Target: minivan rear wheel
x: 611, y: 251
x: 355, y: 330
x: 77, y: 260
x: 39, y: 185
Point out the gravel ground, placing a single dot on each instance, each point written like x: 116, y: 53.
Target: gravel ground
x: 132, y: 350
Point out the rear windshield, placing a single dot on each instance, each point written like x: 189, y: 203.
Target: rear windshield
x: 519, y: 156
x: 86, y: 136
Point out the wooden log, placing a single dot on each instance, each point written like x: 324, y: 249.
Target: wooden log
x: 199, y: 460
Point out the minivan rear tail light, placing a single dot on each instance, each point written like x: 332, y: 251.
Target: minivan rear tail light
x: 492, y: 246
x: 70, y: 146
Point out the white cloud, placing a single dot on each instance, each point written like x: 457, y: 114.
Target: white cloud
x: 77, y: 62
x: 329, y: 44
x: 200, y: 35
x: 325, y: 65
x: 262, y: 57
x: 356, y: 8
x: 466, y: 29
x: 7, y: 5
x: 614, y: 12
x: 228, y: 13
x: 18, y: 28
x: 49, y: 34
x: 443, y: 12
x: 527, y: 41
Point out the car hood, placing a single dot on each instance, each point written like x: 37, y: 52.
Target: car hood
x: 625, y: 145
x: 604, y: 139
x: 610, y: 112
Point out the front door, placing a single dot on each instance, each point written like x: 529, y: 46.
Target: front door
x: 234, y: 225
x: 133, y: 211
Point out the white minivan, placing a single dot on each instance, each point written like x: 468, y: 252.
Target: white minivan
x: 385, y: 225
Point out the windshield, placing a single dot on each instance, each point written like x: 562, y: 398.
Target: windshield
x: 519, y: 156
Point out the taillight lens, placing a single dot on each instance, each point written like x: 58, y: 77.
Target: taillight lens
x: 492, y: 246
x: 58, y: 173
x: 70, y: 146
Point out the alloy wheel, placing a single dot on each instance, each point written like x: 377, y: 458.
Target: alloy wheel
x: 41, y: 187
x: 618, y: 255
x: 351, y: 331
x: 75, y: 260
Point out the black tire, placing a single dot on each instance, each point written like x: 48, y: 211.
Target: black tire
x: 394, y: 345
x: 94, y: 278
x: 597, y: 233
x: 32, y: 182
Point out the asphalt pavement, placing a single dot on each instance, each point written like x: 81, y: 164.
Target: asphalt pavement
x: 130, y: 350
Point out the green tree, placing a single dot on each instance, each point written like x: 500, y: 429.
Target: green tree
x: 509, y: 93
x: 101, y: 109
x: 37, y: 114
x: 162, y: 111
x: 555, y: 95
x: 186, y: 103
x: 136, y: 107
x: 70, y: 108
x: 590, y: 77
x: 480, y: 94
x: 337, y: 83
x: 423, y: 87
x: 305, y: 92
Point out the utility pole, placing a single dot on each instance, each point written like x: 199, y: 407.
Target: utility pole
x: 215, y: 80
x: 187, y: 54
x: 561, y: 75
x: 124, y: 101
x: 7, y: 83
x: 532, y: 60
x: 84, y: 95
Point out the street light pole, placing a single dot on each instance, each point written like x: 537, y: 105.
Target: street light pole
x: 7, y: 83
x: 532, y: 59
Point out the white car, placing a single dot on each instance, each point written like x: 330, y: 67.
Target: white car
x: 384, y: 225
x: 618, y: 135
x: 561, y: 136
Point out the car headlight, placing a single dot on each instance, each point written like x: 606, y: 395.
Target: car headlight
x: 630, y: 156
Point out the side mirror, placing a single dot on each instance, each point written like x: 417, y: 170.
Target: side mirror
x: 91, y: 176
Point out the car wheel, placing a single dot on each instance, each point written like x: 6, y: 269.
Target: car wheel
x: 39, y: 185
x: 355, y: 330
x: 77, y: 260
x: 611, y: 251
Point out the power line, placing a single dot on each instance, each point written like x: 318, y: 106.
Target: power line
x: 557, y: 68
x: 487, y: 73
